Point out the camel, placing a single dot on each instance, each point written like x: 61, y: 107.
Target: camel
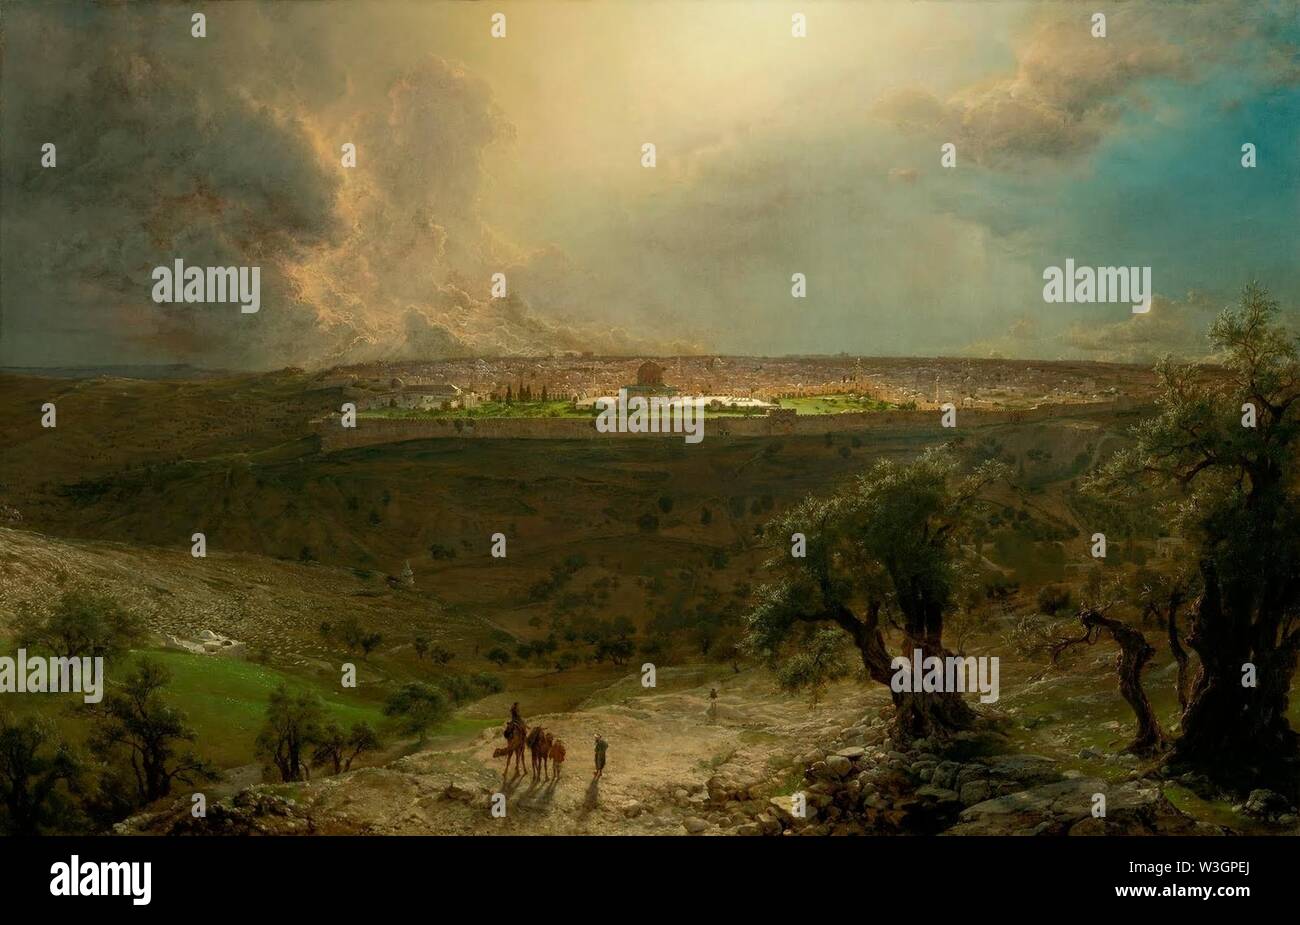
x: 516, y: 734
x: 557, y: 756
x: 547, y: 741
x: 539, y: 745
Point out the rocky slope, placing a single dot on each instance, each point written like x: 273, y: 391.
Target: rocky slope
x: 676, y: 769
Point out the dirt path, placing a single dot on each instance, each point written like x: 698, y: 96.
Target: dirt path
x: 663, y: 753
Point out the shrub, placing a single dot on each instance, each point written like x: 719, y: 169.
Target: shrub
x: 1052, y: 599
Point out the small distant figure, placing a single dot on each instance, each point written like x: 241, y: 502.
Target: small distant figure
x: 713, y: 704
x: 601, y: 746
x: 539, y: 747
x: 515, y: 735
x: 557, y: 757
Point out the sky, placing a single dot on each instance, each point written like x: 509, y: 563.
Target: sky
x: 522, y: 155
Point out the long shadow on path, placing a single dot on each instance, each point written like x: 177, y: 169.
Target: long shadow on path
x: 591, y: 800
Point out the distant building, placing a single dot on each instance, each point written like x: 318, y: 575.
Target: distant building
x: 650, y: 381
x: 650, y: 384
x: 423, y: 398
x: 650, y: 373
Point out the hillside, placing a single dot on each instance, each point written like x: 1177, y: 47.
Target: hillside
x: 651, y: 542
x: 623, y: 526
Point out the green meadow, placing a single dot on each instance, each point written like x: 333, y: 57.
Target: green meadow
x: 835, y: 404
x: 224, y: 701
x: 488, y: 409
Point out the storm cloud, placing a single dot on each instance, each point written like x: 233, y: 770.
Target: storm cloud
x: 521, y: 156
x: 226, y: 150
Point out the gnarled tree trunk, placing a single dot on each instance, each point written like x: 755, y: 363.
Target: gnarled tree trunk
x: 1134, y: 653
x: 917, y: 714
x: 1178, y: 652
x: 1230, y: 730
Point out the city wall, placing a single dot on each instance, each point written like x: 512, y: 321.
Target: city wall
x: 371, y: 431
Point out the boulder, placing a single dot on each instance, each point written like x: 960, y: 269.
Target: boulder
x: 1029, y: 769
x: 461, y: 791
x: 1132, y: 808
x: 937, y: 794
x: 782, y: 808
x: 945, y: 775
x: 975, y: 791
x: 1266, y: 802
x: 839, y: 765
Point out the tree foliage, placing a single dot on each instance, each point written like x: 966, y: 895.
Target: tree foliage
x: 136, y: 726
x: 885, y: 544
x: 38, y: 776
x: 1233, y: 487
x: 293, y: 724
x: 338, y: 749
x: 418, y: 705
x: 81, y: 624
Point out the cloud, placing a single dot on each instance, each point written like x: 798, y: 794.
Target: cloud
x: 1067, y: 89
x: 1023, y: 337
x: 1177, y: 326
x: 1173, y: 326
x: 226, y: 151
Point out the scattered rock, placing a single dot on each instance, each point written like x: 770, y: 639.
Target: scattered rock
x: 839, y: 765
x: 1266, y: 803
x: 1029, y: 769
x: 937, y: 794
x: 769, y: 825
x: 1057, y: 808
x: 975, y: 791
x: 945, y: 775
x: 461, y: 791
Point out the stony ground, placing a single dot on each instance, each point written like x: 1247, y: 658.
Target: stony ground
x: 665, y: 750
x: 675, y: 769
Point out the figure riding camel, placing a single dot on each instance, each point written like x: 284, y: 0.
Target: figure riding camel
x: 515, y: 720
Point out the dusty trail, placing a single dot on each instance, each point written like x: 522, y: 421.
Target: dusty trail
x: 664, y: 751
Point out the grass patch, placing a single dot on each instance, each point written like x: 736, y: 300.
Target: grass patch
x: 225, y: 701
x: 790, y: 782
x: 836, y: 404
x: 488, y: 409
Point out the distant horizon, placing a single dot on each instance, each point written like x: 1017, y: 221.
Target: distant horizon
x: 214, y: 371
